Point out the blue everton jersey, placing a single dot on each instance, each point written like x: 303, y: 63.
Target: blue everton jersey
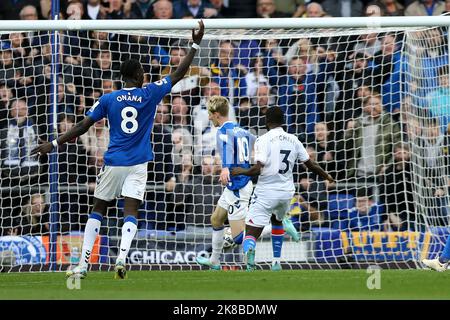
x: 130, y: 114
x: 234, y: 145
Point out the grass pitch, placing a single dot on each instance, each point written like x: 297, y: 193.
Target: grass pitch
x: 205, y: 285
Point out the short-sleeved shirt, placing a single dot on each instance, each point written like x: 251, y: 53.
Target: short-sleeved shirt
x: 234, y: 145
x: 130, y: 113
x: 278, y: 151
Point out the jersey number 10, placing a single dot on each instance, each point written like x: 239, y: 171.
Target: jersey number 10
x: 243, y: 152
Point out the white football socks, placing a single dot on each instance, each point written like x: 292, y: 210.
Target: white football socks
x: 90, y: 234
x: 129, y: 229
x: 217, y: 245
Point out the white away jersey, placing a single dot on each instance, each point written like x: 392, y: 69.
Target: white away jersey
x: 278, y: 151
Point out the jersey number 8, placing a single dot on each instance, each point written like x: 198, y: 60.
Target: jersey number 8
x: 129, y: 119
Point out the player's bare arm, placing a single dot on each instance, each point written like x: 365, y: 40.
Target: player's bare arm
x: 179, y: 73
x: 314, y: 167
x: 255, y: 170
x: 79, y: 129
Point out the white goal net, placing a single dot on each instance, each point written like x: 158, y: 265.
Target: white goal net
x: 371, y: 105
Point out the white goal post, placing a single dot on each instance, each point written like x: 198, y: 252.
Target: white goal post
x: 368, y: 97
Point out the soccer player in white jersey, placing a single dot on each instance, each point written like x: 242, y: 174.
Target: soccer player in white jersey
x: 276, y: 152
x: 130, y: 112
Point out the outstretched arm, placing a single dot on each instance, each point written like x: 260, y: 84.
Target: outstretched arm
x: 255, y: 170
x: 79, y: 129
x: 183, y: 67
x: 314, y: 167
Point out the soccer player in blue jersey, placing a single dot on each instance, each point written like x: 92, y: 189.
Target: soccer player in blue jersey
x: 233, y: 144
x: 130, y: 112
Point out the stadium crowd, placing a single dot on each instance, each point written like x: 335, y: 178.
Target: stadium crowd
x: 341, y: 96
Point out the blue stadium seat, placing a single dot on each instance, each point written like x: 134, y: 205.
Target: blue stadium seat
x: 338, y: 206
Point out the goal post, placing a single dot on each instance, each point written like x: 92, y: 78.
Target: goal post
x: 368, y: 97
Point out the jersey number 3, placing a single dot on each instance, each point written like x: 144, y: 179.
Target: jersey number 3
x: 285, y: 160
x: 127, y: 119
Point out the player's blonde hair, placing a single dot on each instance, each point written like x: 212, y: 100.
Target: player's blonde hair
x: 218, y: 104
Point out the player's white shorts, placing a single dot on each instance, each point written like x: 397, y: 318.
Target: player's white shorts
x: 112, y: 182
x: 236, y: 203
x: 263, y: 206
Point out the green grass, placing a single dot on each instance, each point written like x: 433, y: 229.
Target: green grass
x: 292, y: 284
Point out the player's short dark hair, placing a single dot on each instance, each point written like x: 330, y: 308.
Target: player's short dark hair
x: 275, y: 115
x: 129, y: 69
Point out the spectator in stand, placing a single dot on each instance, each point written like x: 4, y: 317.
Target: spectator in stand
x: 6, y: 96
x: 373, y: 10
x: 100, y: 69
x: 330, y: 153
x: 74, y: 42
x: 72, y: 156
x: 391, y: 8
x: 292, y: 8
x: 96, y: 142
x: 267, y: 9
x: 141, y: 9
x: 314, y: 10
x: 371, y: 138
x: 396, y: 192
x: 430, y: 55
x: 17, y: 139
x: 218, y: 10
x: 438, y: 101
x: 425, y: 8
x: 180, y: 114
x: 349, y: 74
x: 8, y: 67
x: 447, y: 7
x: 343, y: 8
x: 368, y: 43
x: 254, y: 117
x: 93, y: 10
x: 298, y: 96
x: 19, y: 46
x: 66, y: 99
x: 196, y: 77
x: 431, y: 150
x: 34, y: 38
x: 386, y: 70
x: 255, y: 76
x: 227, y: 74
x: 33, y: 220
x: 7, y: 11
x: 196, y: 8
x: 366, y: 215
x: 163, y: 9
x: 118, y: 9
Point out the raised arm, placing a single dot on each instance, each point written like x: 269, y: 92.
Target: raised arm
x: 79, y: 129
x: 183, y: 67
x: 255, y: 170
x: 314, y: 167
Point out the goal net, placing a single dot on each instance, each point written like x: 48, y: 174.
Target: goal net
x: 371, y: 106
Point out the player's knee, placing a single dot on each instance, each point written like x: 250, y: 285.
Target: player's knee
x: 100, y: 206
x: 216, y: 220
